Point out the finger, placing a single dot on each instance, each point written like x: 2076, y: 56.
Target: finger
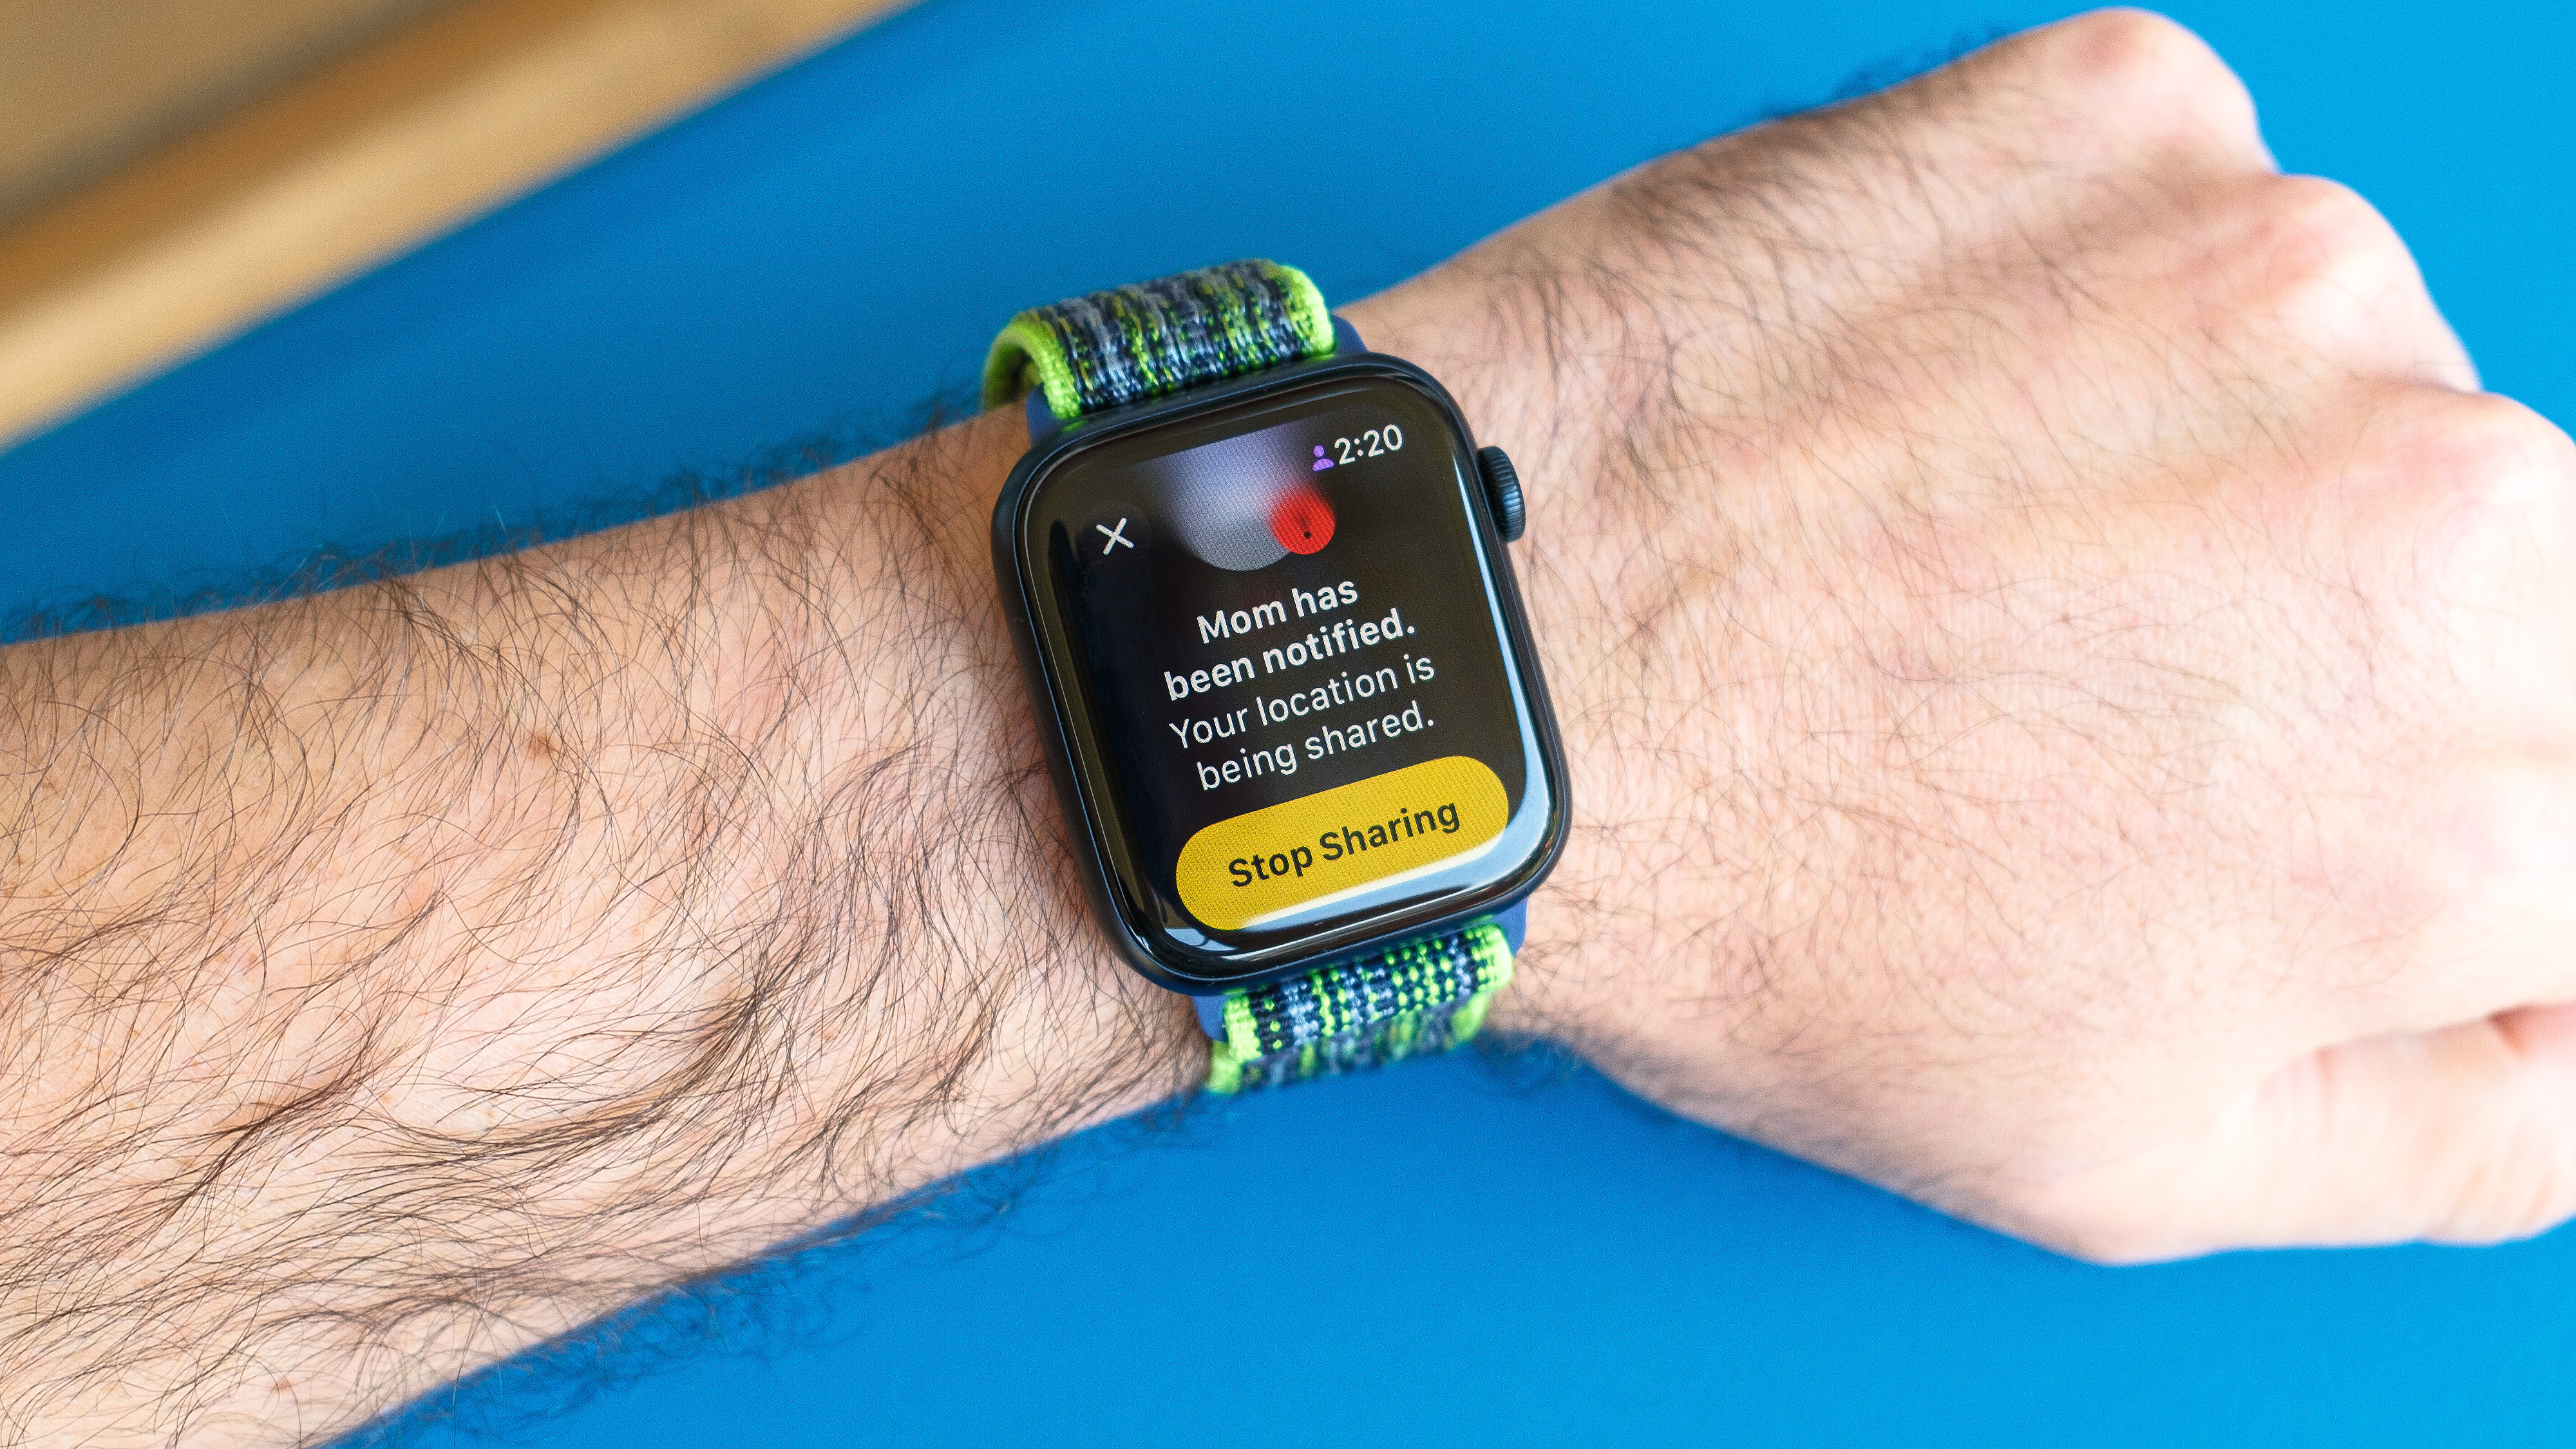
x: 2465, y: 1135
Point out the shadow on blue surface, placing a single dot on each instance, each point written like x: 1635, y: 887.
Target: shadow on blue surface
x: 1445, y: 1254
x: 1439, y: 1253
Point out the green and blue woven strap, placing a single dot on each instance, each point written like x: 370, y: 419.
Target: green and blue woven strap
x: 1150, y: 340
x: 1413, y: 999
x: 1136, y: 343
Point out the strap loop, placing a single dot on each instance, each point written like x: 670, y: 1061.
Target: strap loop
x: 1412, y: 999
x: 1152, y: 339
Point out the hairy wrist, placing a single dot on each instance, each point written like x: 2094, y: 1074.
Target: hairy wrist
x: 1551, y: 358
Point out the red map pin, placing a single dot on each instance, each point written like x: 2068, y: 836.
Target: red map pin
x: 1303, y: 521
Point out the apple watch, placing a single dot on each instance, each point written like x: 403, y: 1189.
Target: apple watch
x: 1258, y: 581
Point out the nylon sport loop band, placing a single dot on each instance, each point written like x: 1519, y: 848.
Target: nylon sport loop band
x: 1136, y: 343
x: 1412, y: 999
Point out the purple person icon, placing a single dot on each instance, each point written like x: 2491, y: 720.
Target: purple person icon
x: 1321, y: 462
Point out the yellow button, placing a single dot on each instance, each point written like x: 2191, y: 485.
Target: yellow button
x: 1272, y: 860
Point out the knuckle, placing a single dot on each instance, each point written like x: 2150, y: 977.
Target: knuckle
x: 2329, y: 222
x: 2321, y: 203
x: 2505, y: 439
x: 2476, y: 492
x: 2330, y: 263
x: 2133, y: 63
x: 2491, y: 452
x: 2499, y: 870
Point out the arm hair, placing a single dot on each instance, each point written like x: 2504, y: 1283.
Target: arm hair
x: 394, y: 977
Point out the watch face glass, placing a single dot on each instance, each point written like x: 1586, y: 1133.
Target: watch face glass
x: 1281, y: 653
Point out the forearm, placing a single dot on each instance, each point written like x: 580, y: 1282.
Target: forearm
x: 396, y: 976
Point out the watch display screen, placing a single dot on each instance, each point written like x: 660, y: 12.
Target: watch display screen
x: 1287, y: 665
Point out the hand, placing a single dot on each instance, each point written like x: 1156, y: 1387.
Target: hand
x: 2068, y: 681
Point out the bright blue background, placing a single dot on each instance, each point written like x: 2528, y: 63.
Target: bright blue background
x: 1442, y: 1253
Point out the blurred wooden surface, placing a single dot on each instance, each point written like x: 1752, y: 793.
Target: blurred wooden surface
x: 87, y: 86
x: 444, y: 118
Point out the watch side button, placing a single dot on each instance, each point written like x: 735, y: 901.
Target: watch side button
x: 1503, y: 492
